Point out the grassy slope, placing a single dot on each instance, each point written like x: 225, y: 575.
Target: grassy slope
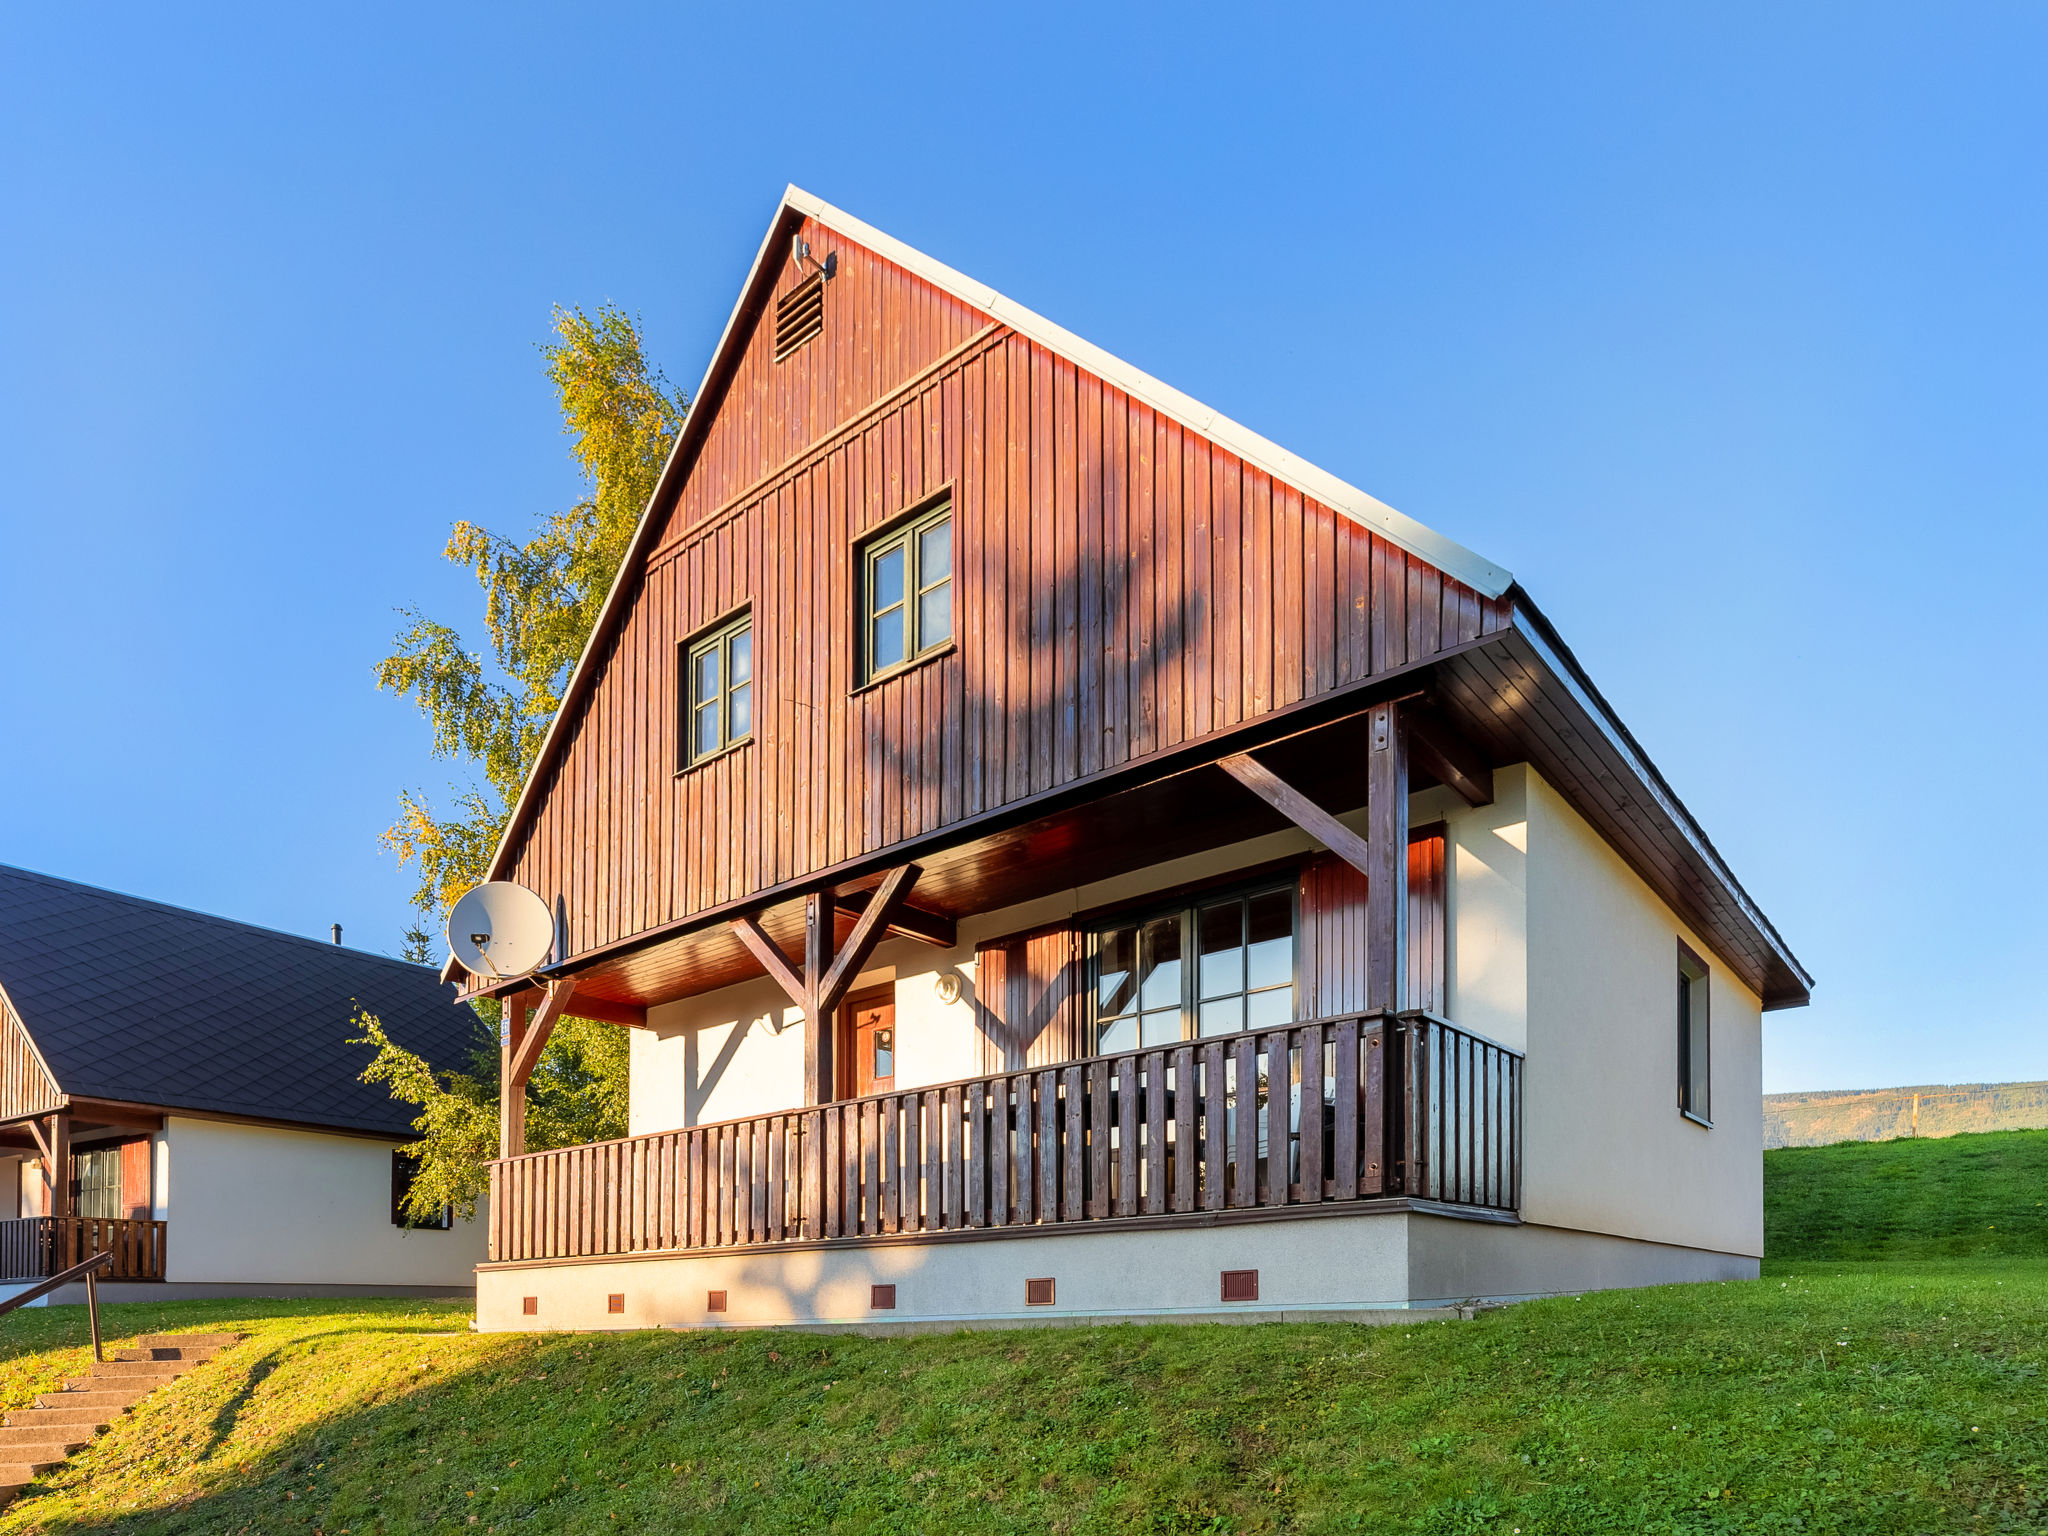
x: 1977, y: 1195
x: 1829, y: 1397
x: 1822, y: 1399
x: 1946, y: 1109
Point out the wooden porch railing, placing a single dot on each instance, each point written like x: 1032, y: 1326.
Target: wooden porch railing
x: 33, y: 1247
x: 1327, y: 1111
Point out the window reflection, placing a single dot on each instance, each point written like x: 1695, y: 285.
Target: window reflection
x: 1241, y: 976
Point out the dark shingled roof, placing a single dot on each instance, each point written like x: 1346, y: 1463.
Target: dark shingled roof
x: 133, y: 1000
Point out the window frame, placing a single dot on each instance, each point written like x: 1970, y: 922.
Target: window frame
x: 1187, y: 904
x: 1694, y: 1020
x: 903, y: 532
x: 404, y: 1169
x: 719, y: 634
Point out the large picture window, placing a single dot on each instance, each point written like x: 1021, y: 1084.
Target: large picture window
x: 718, y: 690
x: 907, y: 592
x: 1215, y: 965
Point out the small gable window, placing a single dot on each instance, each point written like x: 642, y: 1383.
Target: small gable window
x: 907, y: 602
x: 718, y: 689
x: 1695, y: 1057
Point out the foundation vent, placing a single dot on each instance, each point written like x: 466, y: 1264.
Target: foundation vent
x: 615, y: 1303
x: 1240, y: 1285
x: 1038, y: 1293
x: 882, y: 1298
x: 714, y: 1301
x: 530, y: 1305
x: 799, y: 315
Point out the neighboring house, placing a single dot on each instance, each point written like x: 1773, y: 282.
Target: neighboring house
x: 1060, y: 853
x: 180, y: 1090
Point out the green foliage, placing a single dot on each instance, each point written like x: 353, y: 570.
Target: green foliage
x: 577, y: 1094
x: 541, y: 599
x: 1822, y: 1399
x: 1878, y: 1114
x: 1915, y: 1199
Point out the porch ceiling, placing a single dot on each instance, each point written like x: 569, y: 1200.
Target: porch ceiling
x: 1517, y: 695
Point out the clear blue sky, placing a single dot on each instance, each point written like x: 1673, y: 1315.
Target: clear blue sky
x: 1721, y: 326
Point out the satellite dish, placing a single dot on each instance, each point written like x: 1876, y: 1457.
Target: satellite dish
x: 499, y: 929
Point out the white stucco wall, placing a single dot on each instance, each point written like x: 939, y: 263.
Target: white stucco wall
x: 254, y: 1204
x: 1604, y: 1146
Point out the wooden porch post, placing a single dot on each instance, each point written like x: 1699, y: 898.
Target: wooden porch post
x: 820, y: 1074
x: 1386, y: 892
x: 60, y: 1163
x: 511, y: 1094
x: 519, y: 1053
x: 825, y: 976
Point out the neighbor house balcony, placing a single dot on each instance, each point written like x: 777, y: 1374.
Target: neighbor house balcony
x: 37, y: 1247
x: 1323, y: 1116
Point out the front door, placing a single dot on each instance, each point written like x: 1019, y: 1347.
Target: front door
x: 868, y: 1041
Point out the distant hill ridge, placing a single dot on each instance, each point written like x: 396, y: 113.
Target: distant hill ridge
x: 1880, y: 1114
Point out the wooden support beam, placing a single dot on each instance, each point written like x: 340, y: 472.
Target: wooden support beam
x: 511, y: 1094
x: 927, y: 927
x: 552, y: 1009
x: 867, y: 933
x: 1443, y: 751
x: 1386, y: 874
x: 60, y: 1163
x: 773, y: 961
x: 826, y: 976
x: 1299, y: 809
x: 820, y: 1072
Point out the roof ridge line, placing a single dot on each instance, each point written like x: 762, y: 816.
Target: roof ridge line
x: 109, y: 893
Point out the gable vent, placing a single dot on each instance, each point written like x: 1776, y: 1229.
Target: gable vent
x: 799, y: 315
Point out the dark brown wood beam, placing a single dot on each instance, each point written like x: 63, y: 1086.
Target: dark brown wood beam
x: 927, y: 927
x: 820, y: 1072
x: 512, y: 1094
x: 1386, y: 874
x: 1299, y: 809
x: 59, y: 1168
x: 552, y: 1009
x: 773, y: 961
x: 1442, y: 751
x: 867, y: 933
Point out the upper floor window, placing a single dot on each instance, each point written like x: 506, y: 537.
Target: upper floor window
x: 1215, y: 965
x: 718, y: 683
x: 907, y: 591
x: 1695, y: 1038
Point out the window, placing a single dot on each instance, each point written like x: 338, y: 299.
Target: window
x: 1695, y: 1034
x: 1215, y: 966
x: 99, y: 1182
x: 718, y: 690
x: 403, y: 1171
x: 907, y: 603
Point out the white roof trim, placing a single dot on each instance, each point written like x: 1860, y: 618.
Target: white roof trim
x: 1448, y: 556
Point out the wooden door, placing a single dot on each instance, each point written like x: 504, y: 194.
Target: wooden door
x: 867, y: 1039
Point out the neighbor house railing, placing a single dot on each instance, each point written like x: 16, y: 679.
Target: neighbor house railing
x: 33, y: 1247
x: 1316, y: 1113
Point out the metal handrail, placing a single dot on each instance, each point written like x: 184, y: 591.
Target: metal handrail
x: 89, y: 1270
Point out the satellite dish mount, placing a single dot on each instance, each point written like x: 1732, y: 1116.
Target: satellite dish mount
x: 500, y: 931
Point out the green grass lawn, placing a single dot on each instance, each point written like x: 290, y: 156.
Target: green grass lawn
x: 1977, y: 1195
x: 1830, y: 1396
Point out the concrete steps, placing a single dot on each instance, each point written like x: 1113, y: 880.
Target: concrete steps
x: 34, y: 1440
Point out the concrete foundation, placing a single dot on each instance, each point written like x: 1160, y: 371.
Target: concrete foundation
x: 1393, y: 1260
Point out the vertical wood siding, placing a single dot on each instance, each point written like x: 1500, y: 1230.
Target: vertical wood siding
x: 1122, y: 587
x: 26, y: 1086
x: 1031, y: 1000
x: 1332, y: 962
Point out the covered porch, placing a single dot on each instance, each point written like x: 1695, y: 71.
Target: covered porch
x: 83, y: 1186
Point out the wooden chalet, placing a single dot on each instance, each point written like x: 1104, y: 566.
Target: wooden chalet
x: 181, y: 1090
x: 1059, y: 852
